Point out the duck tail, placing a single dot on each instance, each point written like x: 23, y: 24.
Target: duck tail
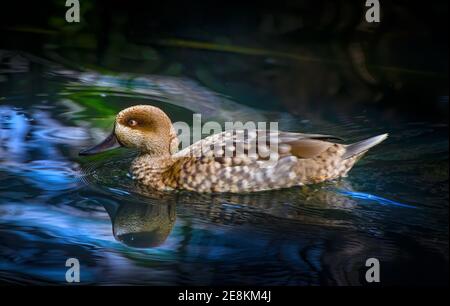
x: 363, y: 145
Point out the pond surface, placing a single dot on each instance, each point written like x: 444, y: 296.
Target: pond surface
x: 55, y: 205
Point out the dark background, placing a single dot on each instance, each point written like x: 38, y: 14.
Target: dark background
x: 335, y: 60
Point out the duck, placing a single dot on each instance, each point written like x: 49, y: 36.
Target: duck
x: 232, y: 161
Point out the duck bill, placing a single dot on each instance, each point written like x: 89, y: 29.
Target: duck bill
x: 109, y: 143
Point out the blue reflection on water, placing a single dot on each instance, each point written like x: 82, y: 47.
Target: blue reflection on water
x: 371, y: 197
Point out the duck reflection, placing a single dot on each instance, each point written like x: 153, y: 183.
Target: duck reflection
x: 313, y: 220
x: 147, y: 219
x: 142, y: 225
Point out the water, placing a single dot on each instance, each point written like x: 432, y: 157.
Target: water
x: 55, y: 205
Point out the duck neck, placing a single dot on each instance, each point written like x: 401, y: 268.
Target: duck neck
x: 149, y: 169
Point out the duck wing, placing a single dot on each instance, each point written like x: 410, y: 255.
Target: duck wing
x: 236, y: 161
x: 257, y: 142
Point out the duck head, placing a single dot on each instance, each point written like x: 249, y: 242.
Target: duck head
x: 142, y: 127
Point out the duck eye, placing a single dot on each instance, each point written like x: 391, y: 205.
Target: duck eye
x: 132, y: 122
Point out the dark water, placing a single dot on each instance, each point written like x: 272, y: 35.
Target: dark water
x: 55, y: 205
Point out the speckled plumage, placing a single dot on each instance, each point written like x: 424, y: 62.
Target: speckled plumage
x: 231, y: 161
x: 211, y: 172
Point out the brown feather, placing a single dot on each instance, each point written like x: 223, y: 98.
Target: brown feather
x: 308, y: 148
